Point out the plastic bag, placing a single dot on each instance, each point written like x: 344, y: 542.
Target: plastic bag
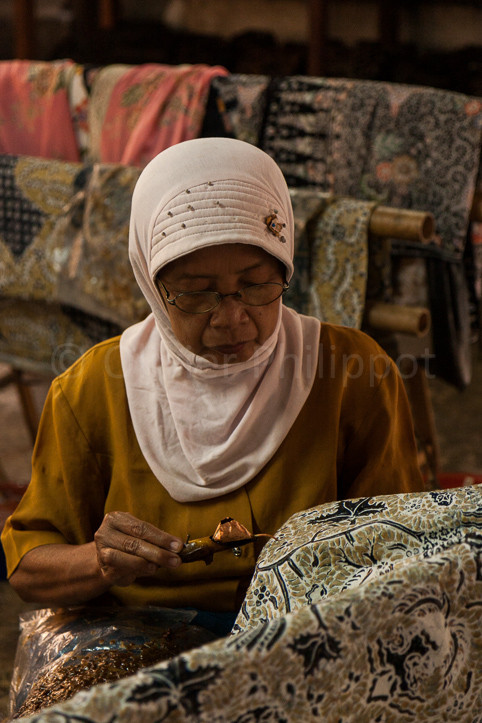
x: 62, y: 651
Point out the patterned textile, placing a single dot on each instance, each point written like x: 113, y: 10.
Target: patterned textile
x: 359, y: 611
x: 241, y: 101
x: 331, y: 257
x: 136, y: 112
x: 34, y: 193
x: 322, y: 552
x: 400, y: 145
x: 47, y: 337
x: 34, y: 93
x: 94, y: 275
x: 65, y: 282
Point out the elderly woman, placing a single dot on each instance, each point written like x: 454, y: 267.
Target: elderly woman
x: 223, y: 401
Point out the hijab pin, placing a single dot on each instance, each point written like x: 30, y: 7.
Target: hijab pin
x: 274, y: 226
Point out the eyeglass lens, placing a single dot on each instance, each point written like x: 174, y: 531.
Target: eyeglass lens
x: 202, y: 301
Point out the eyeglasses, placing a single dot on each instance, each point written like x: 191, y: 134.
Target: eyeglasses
x: 200, y: 302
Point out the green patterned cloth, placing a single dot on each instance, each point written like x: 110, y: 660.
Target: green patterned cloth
x: 359, y: 611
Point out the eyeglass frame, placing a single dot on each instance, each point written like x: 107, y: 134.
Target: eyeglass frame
x: 284, y: 287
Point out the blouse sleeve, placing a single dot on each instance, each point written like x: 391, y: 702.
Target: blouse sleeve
x: 64, y: 502
x: 378, y: 449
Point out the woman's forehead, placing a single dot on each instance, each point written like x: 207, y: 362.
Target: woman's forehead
x: 211, y: 261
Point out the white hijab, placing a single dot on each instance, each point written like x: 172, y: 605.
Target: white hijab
x: 206, y: 429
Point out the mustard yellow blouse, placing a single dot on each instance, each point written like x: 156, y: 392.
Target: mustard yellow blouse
x: 353, y: 438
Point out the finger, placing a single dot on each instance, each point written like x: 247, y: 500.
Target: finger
x: 135, y: 548
x: 132, y: 526
x: 117, y: 565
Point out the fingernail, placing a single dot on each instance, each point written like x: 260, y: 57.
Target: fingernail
x: 174, y: 561
x: 176, y: 545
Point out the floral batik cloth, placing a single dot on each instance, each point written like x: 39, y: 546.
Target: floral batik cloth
x: 94, y: 274
x: 35, y: 112
x: 331, y: 257
x: 405, y: 146
x: 63, y: 230
x: 135, y: 112
x: 358, y: 611
x: 35, y: 194
x: 398, y: 145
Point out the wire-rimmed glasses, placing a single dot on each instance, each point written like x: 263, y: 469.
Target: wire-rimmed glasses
x: 201, y: 302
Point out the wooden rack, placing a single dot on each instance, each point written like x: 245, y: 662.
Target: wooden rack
x: 390, y: 223
x: 89, y: 14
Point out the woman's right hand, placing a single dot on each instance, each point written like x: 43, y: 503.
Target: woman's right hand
x: 128, y: 548
x: 124, y: 549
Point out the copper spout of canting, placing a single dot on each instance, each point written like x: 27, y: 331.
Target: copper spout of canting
x: 229, y: 535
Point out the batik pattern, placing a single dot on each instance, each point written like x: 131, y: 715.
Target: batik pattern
x: 391, y: 633
x: 65, y: 283
x: 397, y: 145
x: 331, y: 257
x: 135, y: 112
x: 33, y: 93
x: 34, y: 195
x: 321, y: 552
x: 404, y: 146
x: 241, y: 101
x: 95, y: 276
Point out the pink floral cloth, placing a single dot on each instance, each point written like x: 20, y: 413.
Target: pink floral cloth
x: 138, y: 111
x: 35, y: 114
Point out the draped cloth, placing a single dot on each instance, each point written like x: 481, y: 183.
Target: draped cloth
x: 399, y: 145
x: 359, y: 610
x: 35, y: 112
x: 137, y: 111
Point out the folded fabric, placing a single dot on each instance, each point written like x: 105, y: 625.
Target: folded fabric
x: 35, y: 194
x: 331, y: 257
x: 64, y: 235
x: 47, y: 338
x: 94, y: 274
x: 135, y: 112
x: 35, y: 117
x: 359, y: 610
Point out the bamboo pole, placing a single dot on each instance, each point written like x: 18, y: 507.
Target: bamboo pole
x: 402, y: 223
x: 413, y: 320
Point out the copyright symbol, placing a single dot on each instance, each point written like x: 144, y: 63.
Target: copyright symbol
x: 64, y: 356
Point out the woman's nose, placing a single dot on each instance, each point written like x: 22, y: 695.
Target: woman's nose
x: 229, y: 312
